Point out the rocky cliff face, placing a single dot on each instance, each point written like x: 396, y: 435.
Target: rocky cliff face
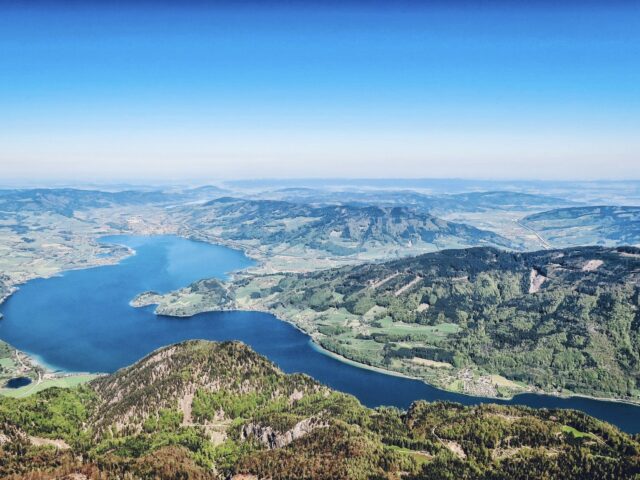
x: 270, y: 438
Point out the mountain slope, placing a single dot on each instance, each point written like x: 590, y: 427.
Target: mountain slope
x: 65, y: 201
x: 246, y: 419
x: 599, y: 225
x: 180, y: 372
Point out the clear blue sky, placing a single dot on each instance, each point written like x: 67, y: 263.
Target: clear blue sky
x: 295, y: 89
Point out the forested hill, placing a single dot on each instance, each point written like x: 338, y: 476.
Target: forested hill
x: 593, y: 225
x: 562, y: 320
x: 205, y: 410
x: 335, y: 230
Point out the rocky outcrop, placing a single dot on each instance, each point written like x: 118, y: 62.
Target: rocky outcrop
x: 145, y: 299
x: 271, y: 438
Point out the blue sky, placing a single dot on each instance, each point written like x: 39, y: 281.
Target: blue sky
x: 296, y: 89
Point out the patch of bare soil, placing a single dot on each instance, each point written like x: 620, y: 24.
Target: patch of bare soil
x: 592, y: 265
x: 536, y: 279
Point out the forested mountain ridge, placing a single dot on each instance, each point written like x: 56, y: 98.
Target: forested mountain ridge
x: 563, y: 321
x: 558, y: 320
x: 338, y: 230
x: 209, y: 410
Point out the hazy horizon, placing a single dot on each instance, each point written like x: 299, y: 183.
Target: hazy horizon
x: 625, y: 187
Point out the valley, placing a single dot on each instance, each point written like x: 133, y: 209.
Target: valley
x: 434, y: 290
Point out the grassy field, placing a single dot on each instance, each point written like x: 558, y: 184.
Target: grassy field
x: 575, y: 433
x: 6, y: 363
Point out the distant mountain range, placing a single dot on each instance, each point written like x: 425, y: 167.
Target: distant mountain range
x: 497, y: 200
x: 436, y: 204
x: 66, y: 201
x: 204, y: 410
x: 338, y: 230
x: 368, y: 224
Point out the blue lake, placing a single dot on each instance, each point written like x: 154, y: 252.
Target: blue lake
x: 18, y: 382
x: 82, y: 321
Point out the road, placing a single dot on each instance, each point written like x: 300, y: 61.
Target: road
x: 546, y: 245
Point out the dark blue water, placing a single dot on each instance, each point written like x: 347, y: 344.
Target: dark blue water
x: 82, y: 321
x: 18, y: 382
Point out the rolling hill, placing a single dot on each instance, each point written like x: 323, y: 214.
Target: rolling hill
x: 557, y: 320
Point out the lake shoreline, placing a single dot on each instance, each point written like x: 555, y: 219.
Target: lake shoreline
x: 316, y: 346
x: 260, y: 262
x: 148, y: 270
x: 385, y: 371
